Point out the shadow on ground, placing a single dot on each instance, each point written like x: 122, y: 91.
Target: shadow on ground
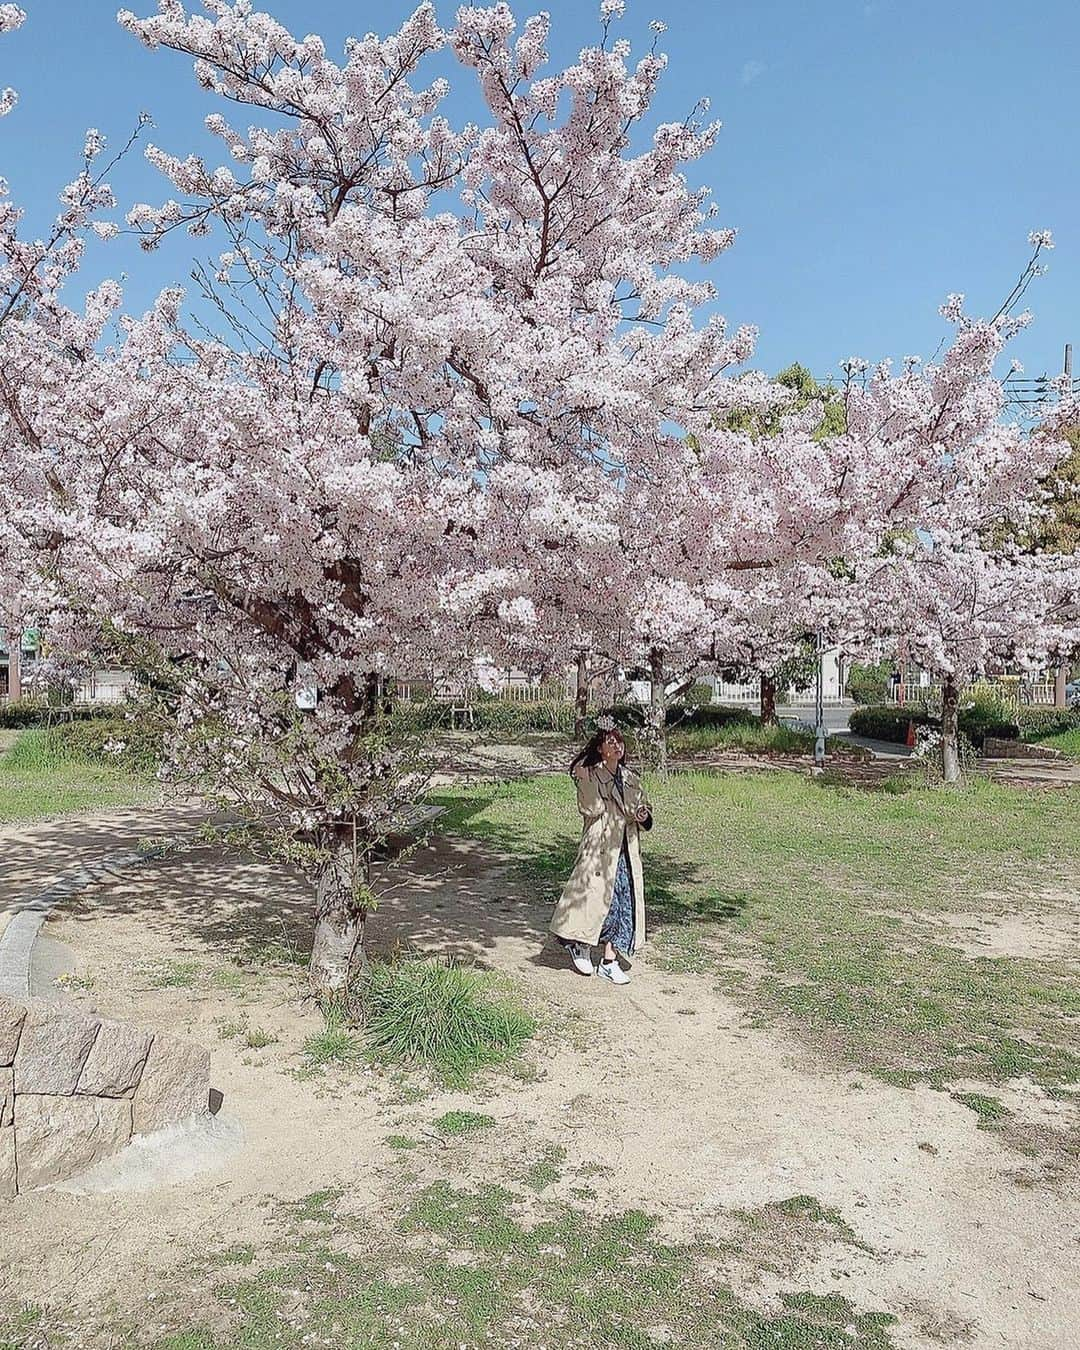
x: 453, y: 895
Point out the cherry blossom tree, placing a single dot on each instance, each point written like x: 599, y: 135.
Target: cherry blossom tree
x: 434, y: 359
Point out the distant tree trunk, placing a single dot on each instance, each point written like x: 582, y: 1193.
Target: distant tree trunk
x: 768, y: 700
x: 1061, y: 676
x: 340, y: 914
x: 950, y: 731
x: 581, y: 696
x: 658, y: 708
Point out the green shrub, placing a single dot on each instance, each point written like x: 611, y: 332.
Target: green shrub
x: 17, y: 716
x: 1035, y: 723
x: 720, y: 715
x: 888, y: 724
x: 513, y: 718
x: 985, y: 714
x: 115, y: 741
x: 35, y: 752
x: 422, y: 714
x: 699, y: 695
x: 976, y: 721
x: 36, y: 713
x: 130, y: 743
x: 626, y: 716
x: 499, y: 716
x: 452, y: 1018
x: 868, y: 685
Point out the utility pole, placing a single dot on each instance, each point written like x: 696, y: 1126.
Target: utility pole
x: 819, y: 705
x: 1061, y: 675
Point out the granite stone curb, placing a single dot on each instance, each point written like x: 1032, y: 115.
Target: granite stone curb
x: 77, y: 1089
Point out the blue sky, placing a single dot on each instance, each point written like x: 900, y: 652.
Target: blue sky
x: 876, y: 154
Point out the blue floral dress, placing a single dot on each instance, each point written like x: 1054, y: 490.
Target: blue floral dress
x: 618, y: 927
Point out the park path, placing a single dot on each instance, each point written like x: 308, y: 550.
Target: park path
x: 44, y: 858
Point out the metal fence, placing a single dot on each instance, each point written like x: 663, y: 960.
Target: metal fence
x: 464, y: 694
x: 1016, y: 692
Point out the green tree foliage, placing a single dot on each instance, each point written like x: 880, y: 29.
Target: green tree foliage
x: 804, y: 390
x: 1060, y: 532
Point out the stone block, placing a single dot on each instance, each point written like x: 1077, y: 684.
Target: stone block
x: 175, y: 1084
x: 997, y: 747
x: 53, y: 1048
x: 58, y: 1137
x: 7, y: 1096
x: 116, y: 1061
x: 12, y: 1016
x: 8, y: 1174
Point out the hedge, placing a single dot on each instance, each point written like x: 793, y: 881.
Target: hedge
x: 1040, y: 721
x: 718, y: 715
x: 491, y: 714
x: 26, y: 713
x: 141, y: 751
x: 891, y: 724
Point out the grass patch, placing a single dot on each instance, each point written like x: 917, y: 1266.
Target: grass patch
x: 281, y: 951
x: 15, y: 1327
x: 258, y: 1039
x: 172, y: 975
x: 454, y: 1123
x: 401, y: 1143
x: 1068, y: 742
x: 241, y: 1254
x: 39, y: 778
x: 800, y: 1217
x: 468, y: 1267
x: 450, y: 1018
x: 72, y: 980
x: 753, y: 738
x: 335, y: 1044
x: 547, y: 1169
x: 989, y: 1110
x: 815, y: 906
x: 233, y: 980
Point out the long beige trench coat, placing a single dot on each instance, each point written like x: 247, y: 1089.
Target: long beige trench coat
x: 586, y: 897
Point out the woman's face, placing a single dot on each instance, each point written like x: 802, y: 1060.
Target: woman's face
x: 612, y: 749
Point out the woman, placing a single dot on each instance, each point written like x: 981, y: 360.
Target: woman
x: 603, y: 903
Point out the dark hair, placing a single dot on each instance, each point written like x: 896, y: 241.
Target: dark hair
x: 591, y: 754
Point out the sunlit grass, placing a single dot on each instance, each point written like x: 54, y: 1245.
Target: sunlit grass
x: 37, y: 780
x: 450, y: 1018
x: 1068, y: 742
x: 821, y: 906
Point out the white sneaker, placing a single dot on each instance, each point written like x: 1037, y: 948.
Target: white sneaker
x: 581, y: 957
x: 611, y: 970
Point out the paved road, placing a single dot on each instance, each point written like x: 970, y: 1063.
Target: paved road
x: 836, y: 719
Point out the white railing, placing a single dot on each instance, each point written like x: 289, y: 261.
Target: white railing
x: 910, y: 691
x: 407, y: 690
x: 1017, y: 693
x: 749, y: 695
x: 104, y: 686
x: 738, y: 694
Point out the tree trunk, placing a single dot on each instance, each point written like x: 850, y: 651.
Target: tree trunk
x: 658, y: 708
x: 768, y: 701
x: 338, y: 949
x: 950, y: 738
x: 1061, y: 676
x: 581, y: 696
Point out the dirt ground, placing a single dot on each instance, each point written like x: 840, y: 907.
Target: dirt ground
x: 663, y: 1089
